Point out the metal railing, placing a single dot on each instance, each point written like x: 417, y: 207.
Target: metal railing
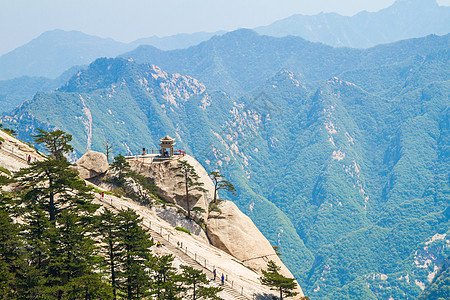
x: 202, y: 261
x: 169, y: 237
x: 140, y: 152
x: 10, y: 149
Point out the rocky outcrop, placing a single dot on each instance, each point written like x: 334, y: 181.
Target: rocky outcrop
x: 168, y: 186
x: 91, y: 164
x: 229, y: 230
x: 234, y: 232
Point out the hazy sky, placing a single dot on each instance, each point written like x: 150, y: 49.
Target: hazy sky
x: 127, y: 20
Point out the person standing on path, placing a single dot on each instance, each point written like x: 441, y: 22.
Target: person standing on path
x: 222, y: 280
x: 215, y: 274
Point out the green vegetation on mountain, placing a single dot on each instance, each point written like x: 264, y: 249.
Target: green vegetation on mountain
x: 272, y: 278
x: 221, y: 184
x: 241, y: 61
x: 439, y: 289
x: 339, y: 156
x: 197, y: 284
x: 189, y: 179
x: 131, y: 184
x: 14, y: 92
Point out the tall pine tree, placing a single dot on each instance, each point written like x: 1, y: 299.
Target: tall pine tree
x: 134, y: 256
x: 10, y: 255
x: 58, y: 213
x: 196, y: 284
x: 112, y: 249
x: 276, y: 281
x: 221, y: 184
x: 166, y: 283
x: 190, y: 180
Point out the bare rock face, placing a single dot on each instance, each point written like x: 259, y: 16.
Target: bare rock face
x: 234, y: 232
x: 92, y: 164
x: 173, y: 217
x: 14, y: 153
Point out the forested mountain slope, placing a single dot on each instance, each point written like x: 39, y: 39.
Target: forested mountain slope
x: 14, y: 92
x: 242, y: 60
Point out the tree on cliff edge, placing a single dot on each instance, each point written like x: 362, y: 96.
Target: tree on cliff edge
x: 56, y: 142
x: 278, y: 282
x: 221, y: 184
x: 190, y: 179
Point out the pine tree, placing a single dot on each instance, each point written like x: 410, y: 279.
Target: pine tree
x: 110, y: 233
x: 210, y: 292
x: 276, y: 281
x: 134, y: 185
x: 122, y: 168
x: 10, y: 256
x: 57, y: 217
x: 134, y: 257
x: 74, y: 262
x: 56, y: 142
x: 197, y: 283
x: 190, y: 179
x: 55, y: 187
x: 220, y: 184
x: 19, y: 279
x: 166, y: 283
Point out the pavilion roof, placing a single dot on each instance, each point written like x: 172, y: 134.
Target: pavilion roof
x: 167, y: 139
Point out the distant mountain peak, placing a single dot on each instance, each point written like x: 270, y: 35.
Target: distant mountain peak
x: 286, y: 75
x: 241, y: 32
x: 55, y: 51
x: 404, y: 19
x: 109, y: 73
x: 339, y: 82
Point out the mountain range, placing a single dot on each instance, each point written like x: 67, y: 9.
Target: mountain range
x: 14, y: 92
x: 53, y: 52
x: 340, y: 156
x: 242, y: 60
x: 404, y: 19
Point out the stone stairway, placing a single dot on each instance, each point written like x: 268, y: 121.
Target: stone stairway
x: 13, y: 155
x: 178, y: 252
x: 195, y: 264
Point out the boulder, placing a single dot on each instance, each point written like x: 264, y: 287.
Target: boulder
x: 233, y: 232
x: 92, y: 164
